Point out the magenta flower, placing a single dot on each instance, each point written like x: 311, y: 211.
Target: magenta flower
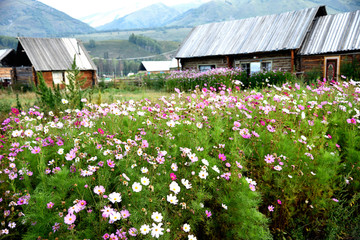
x: 208, y: 213
x: 222, y: 157
x: 173, y: 176
x: 100, y: 131
x: 50, y: 205
x: 279, y: 201
x: 335, y: 200
x: 106, y: 236
x: 99, y: 190
x: 110, y: 163
x: 271, y: 208
x: 36, y: 150
x: 351, y: 121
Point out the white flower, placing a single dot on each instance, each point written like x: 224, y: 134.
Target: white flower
x: 145, y: 229
x: 174, y: 167
x: 144, y: 181
x: 206, y: 162
x: 171, y: 123
x: 186, y: 227
x: 277, y: 168
x: 83, y: 100
x: 174, y: 187
x: 28, y: 133
x: 60, y: 151
x: 139, y: 152
x: 64, y: 101
x: 186, y: 183
x: 224, y: 206
x: 136, y: 187
x: 172, y: 199
x: 157, y: 230
x: 144, y: 170
x: 156, y: 216
x: 192, y: 237
x: 115, y: 216
x: 203, y: 174
x: 216, y: 169
x: 199, y: 125
x: 115, y: 197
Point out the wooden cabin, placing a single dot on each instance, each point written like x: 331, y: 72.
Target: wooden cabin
x: 254, y: 44
x: 7, y: 57
x: 52, y: 57
x: 333, y: 40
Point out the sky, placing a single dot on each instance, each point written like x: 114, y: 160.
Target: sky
x: 82, y: 8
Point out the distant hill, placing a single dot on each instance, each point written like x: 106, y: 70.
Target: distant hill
x: 159, y: 15
x: 216, y: 11
x: 30, y: 18
x: 155, y: 15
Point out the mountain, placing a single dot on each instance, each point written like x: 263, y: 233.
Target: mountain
x: 217, y: 11
x: 30, y: 18
x: 155, y: 15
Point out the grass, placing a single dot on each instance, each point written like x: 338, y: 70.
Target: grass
x: 109, y: 95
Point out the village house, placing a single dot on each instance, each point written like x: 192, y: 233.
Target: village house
x: 51, y: 57
x: 294, y: 41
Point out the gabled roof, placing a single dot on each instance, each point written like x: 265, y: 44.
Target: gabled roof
x: 333, y: 33
x: 155, y: 66
x: 283, y: 31
x: 49, y: 54
x: 4, y: 53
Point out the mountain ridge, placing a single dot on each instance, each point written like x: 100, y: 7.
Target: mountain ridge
x: 31, y: 18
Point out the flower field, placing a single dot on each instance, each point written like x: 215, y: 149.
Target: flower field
x: 215, y: 163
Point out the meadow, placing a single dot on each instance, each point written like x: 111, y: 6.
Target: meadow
x: 229, y: 159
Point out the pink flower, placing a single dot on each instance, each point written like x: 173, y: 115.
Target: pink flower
x: 208, y: 213
x: 50, y: 205
x: 69, y: 219
x: 279, y: 201
x: 99, y: 190
x: 125, y: 214
x: 36, y: 150
x: 173, y: 176
x: 269, y: 158
x: 335, y: 200
x: 222, y: 157
x: 106, y: 236
x: 271, y: 208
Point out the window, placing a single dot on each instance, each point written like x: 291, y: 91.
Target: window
x: 253, y: 67
x: 58, y: 77
x: 266, y: 66
x: 204, y: 68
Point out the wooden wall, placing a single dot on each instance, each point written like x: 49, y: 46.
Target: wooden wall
x: 5, y: 72
x: 23, y: 75
x: 316, y: 62
x: 280, y: 60
x: 90, y: 76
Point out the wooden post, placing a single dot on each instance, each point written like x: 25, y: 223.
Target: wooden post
x: 292, y: 61
x: 178, y: 64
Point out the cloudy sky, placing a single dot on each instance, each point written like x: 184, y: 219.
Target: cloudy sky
x: 82, y: 8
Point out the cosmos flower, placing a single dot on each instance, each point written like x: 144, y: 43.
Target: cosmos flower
x: 99, y: 190
x: 157, y: 217
x: 136, y: 187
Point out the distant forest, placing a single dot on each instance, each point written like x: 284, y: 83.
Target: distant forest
x: 8, y: 42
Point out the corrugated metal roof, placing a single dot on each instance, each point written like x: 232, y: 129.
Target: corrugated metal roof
x: 259, y: 34
x: 48, y: 54
x: 156, y: 66
x: 333, y: 33
x: 4, y: 53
